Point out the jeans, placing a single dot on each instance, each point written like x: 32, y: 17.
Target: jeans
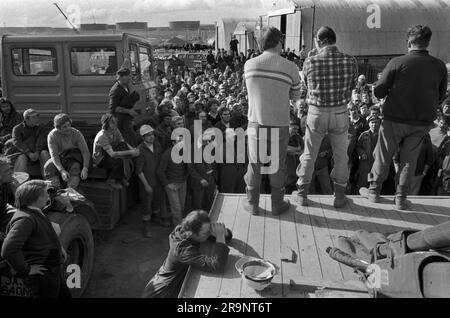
x: 22, y: 161
x: 320, y: 121
x: 256, y: 140
x: 177, y: 199
x: 114, y: 166
x: 397, y: 138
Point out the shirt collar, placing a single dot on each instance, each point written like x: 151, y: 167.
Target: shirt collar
x: 418, y: 52
x: 35, y: 209
x: 328, y: 48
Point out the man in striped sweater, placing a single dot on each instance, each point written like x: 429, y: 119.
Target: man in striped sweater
x: 271, y: 82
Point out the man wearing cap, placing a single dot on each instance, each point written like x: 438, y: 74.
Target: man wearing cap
x: 329, y: 78
x: 271, y: 82
x: 414, y: 85
x: 29, y: 138
x: 365, y: 147
x: 121, y: 103
x: 150, y: 189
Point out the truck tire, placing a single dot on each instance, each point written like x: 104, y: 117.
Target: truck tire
x: 76, y: 238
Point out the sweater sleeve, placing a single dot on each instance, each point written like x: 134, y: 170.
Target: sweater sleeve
x: 162, y: 168
x: 41, y: 142
x: 54, y: 151
x: 384, y: 84
x: 209, y: 263
x: 443, y: 85
x: 20, y: 231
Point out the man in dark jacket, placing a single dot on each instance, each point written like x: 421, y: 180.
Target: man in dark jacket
x: 30, y: 139
x: 150, y: 189
x: 32, y: 247
x: 185, y: 242
x: 414, y: 85
x: 121, y: 103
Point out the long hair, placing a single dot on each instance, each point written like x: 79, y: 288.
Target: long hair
x: 4, y: 100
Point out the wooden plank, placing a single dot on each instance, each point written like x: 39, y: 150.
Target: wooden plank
x: 370, y: 216
x: 438, y: 213
x: 192, y: 278
x: 309, y: 257
x: 330, y: 268
x: 377, y: 216
x: 255, y: 245
x: 291, y: 266
x: 209, y: 283
x: 337, y: 227
x: 272, y: 250
x: 231, y: 280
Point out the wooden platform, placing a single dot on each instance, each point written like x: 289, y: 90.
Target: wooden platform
x: 296, y: 242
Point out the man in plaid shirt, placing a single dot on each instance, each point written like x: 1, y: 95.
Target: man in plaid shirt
x: 329, y: 77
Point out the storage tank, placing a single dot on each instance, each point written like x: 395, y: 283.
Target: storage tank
x: 131, y: 26
x: 93, y: 27
x: 184, y: 25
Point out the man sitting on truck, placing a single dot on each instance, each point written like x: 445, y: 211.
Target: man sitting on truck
x: 29, y: 139
x: 69, y: 154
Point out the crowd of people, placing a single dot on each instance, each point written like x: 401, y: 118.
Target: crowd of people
x: 141, y: 144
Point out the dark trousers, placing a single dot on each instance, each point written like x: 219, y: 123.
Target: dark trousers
x: 202, y: 197
x: 114, y: 166
x: 392, y: 138
x: 50, y: 285
x: 231, y: 177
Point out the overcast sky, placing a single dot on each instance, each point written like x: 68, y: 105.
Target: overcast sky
x: 155, y: 12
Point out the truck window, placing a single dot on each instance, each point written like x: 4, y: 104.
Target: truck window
x: 134, y: 60
x: 145, y: 62
x: 93, y: 61
x: 34, y: 61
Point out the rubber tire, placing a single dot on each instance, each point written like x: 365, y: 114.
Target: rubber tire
x: 76, y: 227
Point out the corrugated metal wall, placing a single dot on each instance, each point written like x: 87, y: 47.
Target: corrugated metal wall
x: 349, y: 19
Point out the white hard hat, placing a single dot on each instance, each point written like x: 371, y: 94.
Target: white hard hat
x: 145, y: 129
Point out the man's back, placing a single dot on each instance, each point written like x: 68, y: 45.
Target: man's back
x: 330, y: 77
x: 414, y: 85
x: 271, y: 80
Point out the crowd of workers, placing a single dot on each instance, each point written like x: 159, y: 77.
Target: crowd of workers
x: 141, y: 144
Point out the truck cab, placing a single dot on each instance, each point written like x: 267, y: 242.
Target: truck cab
x: 73, y: 74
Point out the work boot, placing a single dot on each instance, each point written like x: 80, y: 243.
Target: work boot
x: 400, y: 198
x: 279, y: 205
x: 372, y: 193
x: 251, y: 204
x: 340, y: 199
x: 147, y: 229
x: 73, y: 183
x: 301, y: 196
